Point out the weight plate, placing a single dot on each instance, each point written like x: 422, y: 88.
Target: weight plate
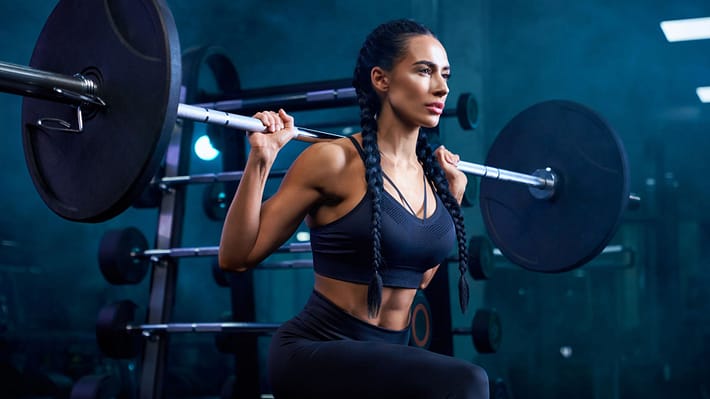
x: 486, y: 331
x: 111, y: 335
x: 131, y: 49
x: 421, y: 324
x: 215, y: 201
x: 480, y: 256
x: 467, y: 111
x: 569, y: 229
x: 116, y: 262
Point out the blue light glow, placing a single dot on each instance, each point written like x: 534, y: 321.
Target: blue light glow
x: 204, y: 149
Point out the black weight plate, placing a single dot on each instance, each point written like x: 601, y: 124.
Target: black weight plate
x: 215, y: 201
x: 486, y: 331
x: 480, y: 255
x: 152, y: 195
x: 421, y: 324
x: 111, y: 335
x: 571, y: 228
x: 117, y: 264
x: 467, y: 111
x: 131, y: 49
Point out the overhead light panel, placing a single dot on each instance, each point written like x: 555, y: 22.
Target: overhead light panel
x: 703, y: 94
x: 686, y: 29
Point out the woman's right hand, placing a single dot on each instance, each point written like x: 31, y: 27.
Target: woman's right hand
x: 279, y: 131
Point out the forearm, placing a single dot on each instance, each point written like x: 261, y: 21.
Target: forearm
x: 457, y: 186
x: 241, y: 225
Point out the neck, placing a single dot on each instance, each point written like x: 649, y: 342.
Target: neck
x: 397, y: 141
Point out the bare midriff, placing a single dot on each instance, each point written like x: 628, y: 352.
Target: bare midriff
x: 352, y: 299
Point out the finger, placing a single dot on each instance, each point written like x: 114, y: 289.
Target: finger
x: 264, y: 118
x: 274, y: 122
x: 286, y: 119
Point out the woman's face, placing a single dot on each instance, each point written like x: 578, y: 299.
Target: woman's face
x: 418, y: 86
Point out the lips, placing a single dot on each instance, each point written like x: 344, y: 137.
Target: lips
x: 435, y: 107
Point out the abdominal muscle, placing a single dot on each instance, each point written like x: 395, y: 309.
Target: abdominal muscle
x: 352, y: 299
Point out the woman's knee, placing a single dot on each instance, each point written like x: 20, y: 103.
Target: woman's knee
x: 473, y: 382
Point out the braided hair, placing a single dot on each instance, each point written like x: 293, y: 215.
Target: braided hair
x: 384, y: 47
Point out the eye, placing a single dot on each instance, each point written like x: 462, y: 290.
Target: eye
x: 446, y: 76
x: 426, y: 70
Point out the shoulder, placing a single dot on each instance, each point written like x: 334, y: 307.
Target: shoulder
x: 329, y: 155
x: 322, y: 161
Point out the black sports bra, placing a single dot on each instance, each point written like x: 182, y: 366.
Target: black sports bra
x: 342, y: 249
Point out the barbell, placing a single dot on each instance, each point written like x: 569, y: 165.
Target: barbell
x: 102, y: 96
x: 118, y: 337
x: 125, y: 257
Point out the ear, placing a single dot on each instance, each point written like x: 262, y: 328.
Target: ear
x: 380, y: 79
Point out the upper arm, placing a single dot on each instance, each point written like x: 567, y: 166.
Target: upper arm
x: 303, y: 188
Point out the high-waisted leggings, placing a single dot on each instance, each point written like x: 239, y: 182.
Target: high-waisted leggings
x: 324, y: 352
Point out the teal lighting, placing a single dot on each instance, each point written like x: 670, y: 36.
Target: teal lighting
x: 204, y: 149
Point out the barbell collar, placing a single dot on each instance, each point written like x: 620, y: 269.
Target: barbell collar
x: 241, y: 327
x: 31, y: 82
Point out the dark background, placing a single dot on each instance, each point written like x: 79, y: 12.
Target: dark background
x: 634, y: 331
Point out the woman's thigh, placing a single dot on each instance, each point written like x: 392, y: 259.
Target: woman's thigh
x: 357, y: 369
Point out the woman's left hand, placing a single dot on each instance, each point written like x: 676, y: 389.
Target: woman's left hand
x: 457, y: 179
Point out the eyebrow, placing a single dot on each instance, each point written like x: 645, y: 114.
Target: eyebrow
x: 431, y: 65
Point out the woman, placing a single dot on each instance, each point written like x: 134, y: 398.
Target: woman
x: 376, y: 204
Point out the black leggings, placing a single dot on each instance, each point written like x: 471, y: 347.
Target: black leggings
x: 324, y: 352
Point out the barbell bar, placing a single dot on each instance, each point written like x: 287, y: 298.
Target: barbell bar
x: 543, y: 181
x: 124, y: 256
x: 118, y: 337
x: 121, y: 123
x: 466, y: 110
x: 77, y: 89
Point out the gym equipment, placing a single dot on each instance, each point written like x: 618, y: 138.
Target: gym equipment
x: 421, y: 323
x: 486, y: 331
x: 117, y: 66
x: 466, y: 112
x: 118, y: 338
x: 124, y: 257
x: 484, y: 258
x: 577, y: 217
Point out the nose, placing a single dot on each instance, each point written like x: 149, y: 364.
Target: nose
x: 440, y: 86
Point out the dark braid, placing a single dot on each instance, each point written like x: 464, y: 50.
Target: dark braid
x: 384, y: 47
x: 435, y: 174
x: 373, y: 175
